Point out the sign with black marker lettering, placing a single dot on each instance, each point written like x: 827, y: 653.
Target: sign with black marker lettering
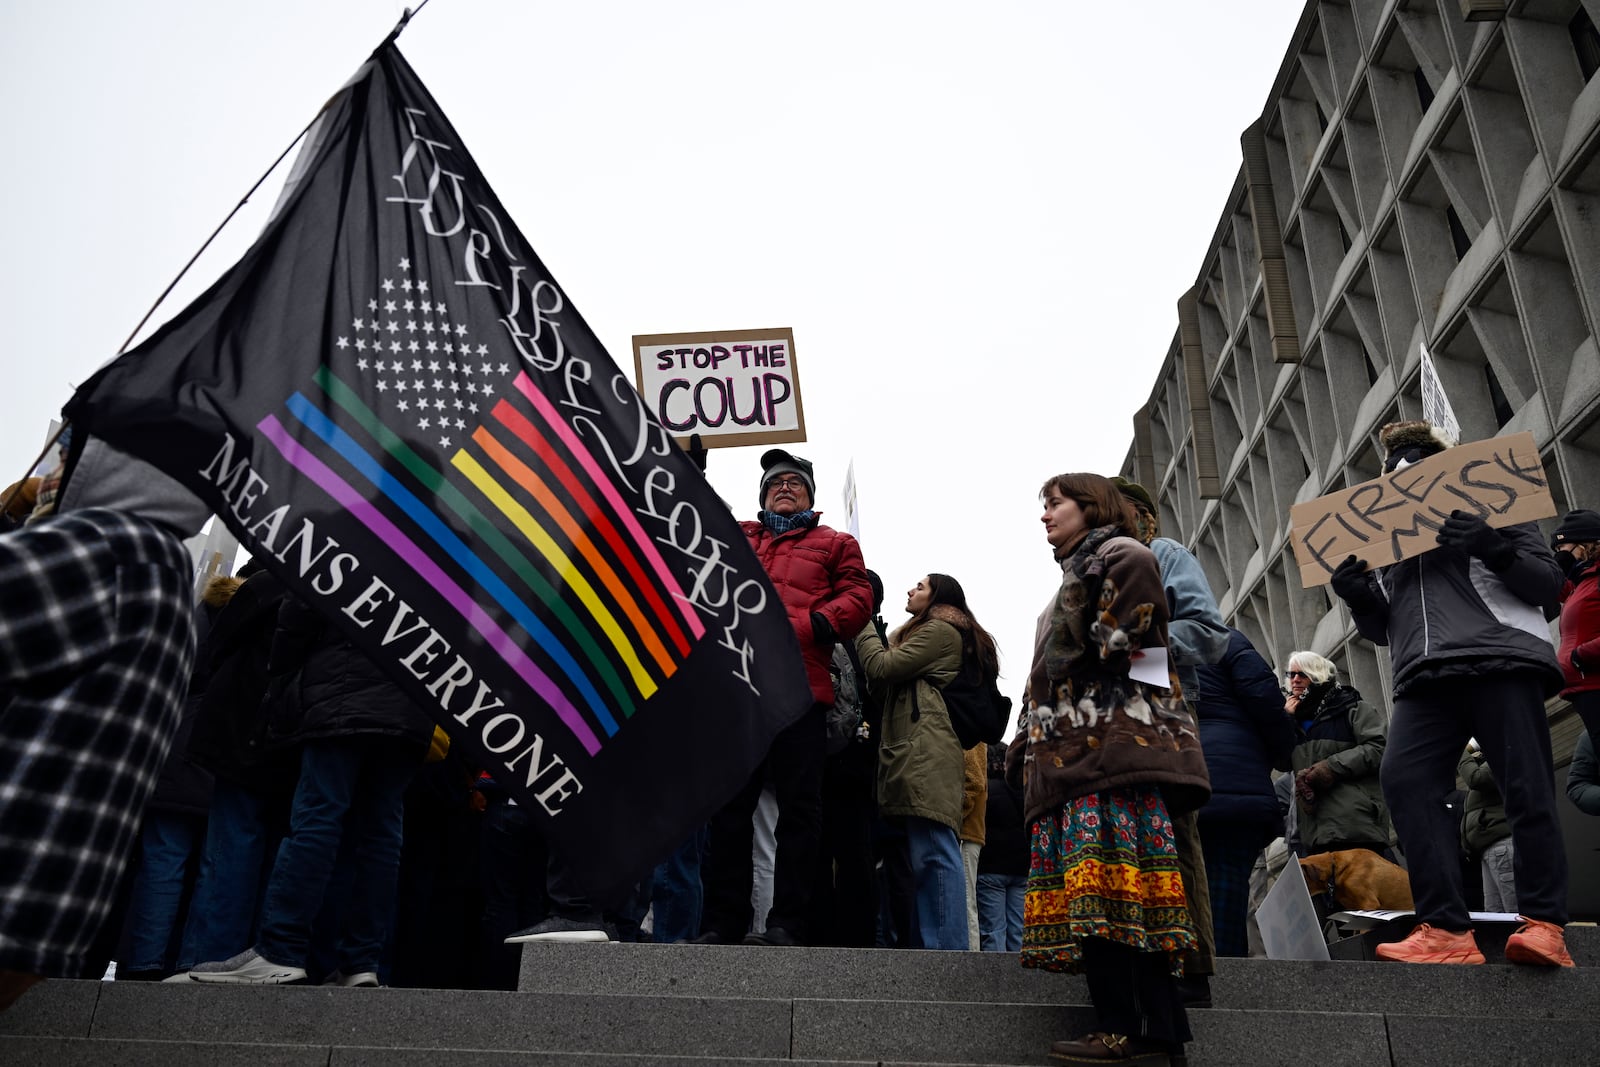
x: 732, y: 387
x: 1398, y: 515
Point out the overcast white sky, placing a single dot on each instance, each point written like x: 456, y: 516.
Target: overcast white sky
x: 977, y: 218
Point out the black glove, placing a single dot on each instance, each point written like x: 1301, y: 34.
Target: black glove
x: 1350, y: 581
x: 883, y: 631
x: 822, y: 629
x: 697, y: 452
x: 1475, y: 537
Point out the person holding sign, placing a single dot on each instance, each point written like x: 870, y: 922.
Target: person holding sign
x: 822, y: 581
x: 1465, y: 625
x: 1107, y: 752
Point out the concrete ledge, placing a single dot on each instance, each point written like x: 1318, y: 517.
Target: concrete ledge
x: 91, y: 1052
x: 1424, y: 1041
x: 997, y: 978
x: 1022, y: 1033
x: 792, y: 973
x: 373, y: 1057
x: 446, y: 1019
x: 56, y: 1008
x: 933, y: 1032
x: 1466, y: 992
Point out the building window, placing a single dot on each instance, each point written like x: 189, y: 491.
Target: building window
x: 1424, y: 90
x: 1586, y: 40
x: 1497, y: 398
x: 1458, y: 233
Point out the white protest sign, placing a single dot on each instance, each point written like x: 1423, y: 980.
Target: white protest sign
x: 1435, y: 405
x: 852, y: 512
x: 1288, y: 921
x: 732, y: 387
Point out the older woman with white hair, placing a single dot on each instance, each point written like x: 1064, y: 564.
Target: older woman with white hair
x: 1338, y: 799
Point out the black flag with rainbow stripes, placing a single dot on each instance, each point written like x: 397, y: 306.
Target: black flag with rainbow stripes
x: 400, y: 413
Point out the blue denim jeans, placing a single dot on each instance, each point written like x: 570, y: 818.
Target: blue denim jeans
x: 1000, y: 911
x: 239, y: 848
x: 677, y: 895
x: 352, y: 786
x: 941, y: 884
x: 166, y: 844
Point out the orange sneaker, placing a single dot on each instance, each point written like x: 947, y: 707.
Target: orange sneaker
x: 1539, y: 944
x: 1429, y: 944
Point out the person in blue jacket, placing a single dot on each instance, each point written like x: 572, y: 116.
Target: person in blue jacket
x: 1245, y: 735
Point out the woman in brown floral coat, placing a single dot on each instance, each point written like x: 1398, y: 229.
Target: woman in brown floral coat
x: 1107, y: 753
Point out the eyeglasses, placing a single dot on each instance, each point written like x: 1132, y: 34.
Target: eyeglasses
x: 1297, y: 674
x: 786, y: 483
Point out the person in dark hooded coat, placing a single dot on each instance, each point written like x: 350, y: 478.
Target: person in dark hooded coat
x: 1245, y: 735
x: 361, y: 739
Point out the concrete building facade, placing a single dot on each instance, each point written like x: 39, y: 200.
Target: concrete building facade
x: 1424, y: 173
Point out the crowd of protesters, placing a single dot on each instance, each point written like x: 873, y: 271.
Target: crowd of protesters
x: 311, y: 823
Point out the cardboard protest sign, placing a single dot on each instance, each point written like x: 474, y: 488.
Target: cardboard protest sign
x: 732, y: 387
x: 1396, y: 516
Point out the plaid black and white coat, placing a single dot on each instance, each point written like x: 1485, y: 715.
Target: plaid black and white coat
x: 96, y: 644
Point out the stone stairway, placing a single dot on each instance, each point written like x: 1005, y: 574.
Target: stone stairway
x: 689, y: 1004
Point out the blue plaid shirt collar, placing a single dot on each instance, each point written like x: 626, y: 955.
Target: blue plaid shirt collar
x: 782, y: 524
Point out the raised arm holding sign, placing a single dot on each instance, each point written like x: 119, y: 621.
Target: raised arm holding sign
x: 1470, y: 656
x: 731, y: 387
x: 1400, y: 514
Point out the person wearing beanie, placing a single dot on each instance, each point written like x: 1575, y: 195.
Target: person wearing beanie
x: 821, y: 579
x: 1577, y: 547
x: 1472, y: 657
x: 1196, y: 637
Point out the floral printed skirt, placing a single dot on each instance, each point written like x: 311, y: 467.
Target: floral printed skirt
x: 1105, y: 865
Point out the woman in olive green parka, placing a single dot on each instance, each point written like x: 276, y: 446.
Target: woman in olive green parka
x: 920, y: 762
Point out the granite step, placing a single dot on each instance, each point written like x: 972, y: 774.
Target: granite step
x: 109, y: 1052
x: 1493, y: 990
x: 103, y: 1023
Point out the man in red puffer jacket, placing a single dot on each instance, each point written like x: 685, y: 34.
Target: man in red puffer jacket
x: 820, y: 576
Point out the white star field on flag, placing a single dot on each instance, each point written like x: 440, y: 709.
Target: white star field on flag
x: 403, y: 398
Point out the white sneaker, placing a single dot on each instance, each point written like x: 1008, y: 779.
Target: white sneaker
x: 247, y: 968
x: 556, y: 928
x: 360, y: 979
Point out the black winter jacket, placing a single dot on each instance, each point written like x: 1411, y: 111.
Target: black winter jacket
x: 341, y: 692
x: 1245, y: 735
x: 1446, y: 614
x: 1007, y: 844
x: 230, y: 727
x: 184, y: 787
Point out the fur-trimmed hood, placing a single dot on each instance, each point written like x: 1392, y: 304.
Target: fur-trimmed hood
x: 944, y: 613
x: 1414, y: 433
